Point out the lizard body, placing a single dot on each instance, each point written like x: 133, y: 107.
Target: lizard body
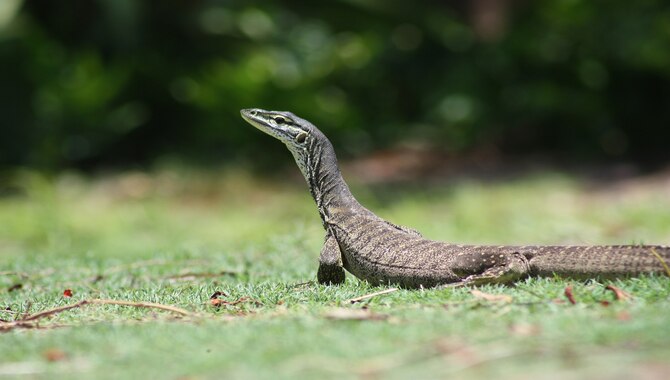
x: 381, y: 252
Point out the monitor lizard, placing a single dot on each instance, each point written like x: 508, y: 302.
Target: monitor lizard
x: 381, y: 252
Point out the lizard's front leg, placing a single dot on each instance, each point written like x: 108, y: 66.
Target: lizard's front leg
x: 330, y: 263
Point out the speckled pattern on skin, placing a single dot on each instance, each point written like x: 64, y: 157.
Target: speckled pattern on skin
x: 380, y: 252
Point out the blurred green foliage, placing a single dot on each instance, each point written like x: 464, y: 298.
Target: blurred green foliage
x: 118, y: 82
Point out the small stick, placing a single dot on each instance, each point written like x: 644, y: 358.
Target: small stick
x: 173, y: 309
x: 46, y: 313
x: 361, y: 298
x: 665, y: 265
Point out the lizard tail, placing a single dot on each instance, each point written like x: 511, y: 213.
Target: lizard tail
x: 601, y: 261
x: 663, y: 257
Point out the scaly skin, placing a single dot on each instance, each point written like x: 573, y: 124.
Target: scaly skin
x: 380, y: 252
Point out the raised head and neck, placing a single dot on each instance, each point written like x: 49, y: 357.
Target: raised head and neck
x: 313, y: 153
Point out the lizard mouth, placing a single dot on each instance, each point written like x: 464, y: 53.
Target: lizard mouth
x: 271, y: 122
x: 253, y: 117
x: 259, y: 119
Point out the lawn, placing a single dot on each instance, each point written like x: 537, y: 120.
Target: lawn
x: 177, y: 237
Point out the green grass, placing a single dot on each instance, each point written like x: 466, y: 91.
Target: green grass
x: 164, y: 237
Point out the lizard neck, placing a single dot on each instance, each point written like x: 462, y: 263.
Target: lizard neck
x: 329, y: 190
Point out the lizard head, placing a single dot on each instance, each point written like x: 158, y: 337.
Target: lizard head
x: 285, y: 126
x: 312, y: 151
x: 299, y: 135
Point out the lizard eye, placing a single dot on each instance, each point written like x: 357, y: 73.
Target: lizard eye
x: 280, y: 120
x: 301, y: 137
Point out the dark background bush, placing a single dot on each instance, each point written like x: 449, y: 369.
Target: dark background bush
x: 93, y: 83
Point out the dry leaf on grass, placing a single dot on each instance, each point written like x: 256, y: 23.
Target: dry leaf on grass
x: 569, y: 295
x: 619, y: 294
x: 217, y: 294
x: 214, y: 300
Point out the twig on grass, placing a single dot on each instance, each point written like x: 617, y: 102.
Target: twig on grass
x: 98, y: 301
x: 367, y: 296
x: 31, y: 321
x: 152, y: 305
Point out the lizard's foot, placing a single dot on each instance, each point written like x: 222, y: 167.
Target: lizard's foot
x: 332, y: 274
x: 330, y: 270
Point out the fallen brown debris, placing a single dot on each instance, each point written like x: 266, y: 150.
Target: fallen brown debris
x: 55, y: 355
x: 31, y: 321
x: 619, y: 294
x: 217, y: 294
x: 569, y: 295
